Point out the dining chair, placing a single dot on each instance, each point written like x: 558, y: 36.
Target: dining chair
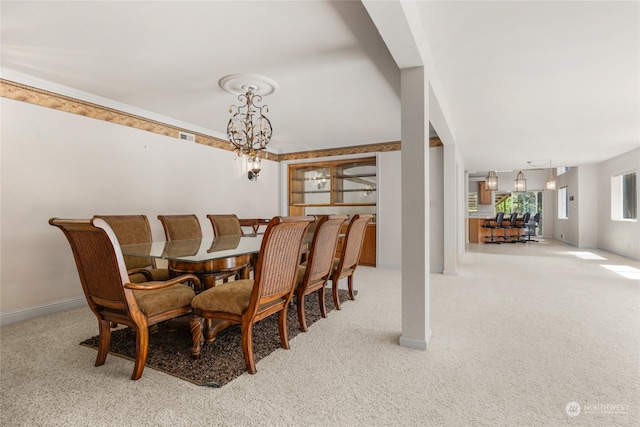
x: 313, y: 276
x: 346, y: 265
x: 181, y: 227
x: 248, y: 301
x: 225, y: 224
x: 111, y: 295
x: 135, y: 229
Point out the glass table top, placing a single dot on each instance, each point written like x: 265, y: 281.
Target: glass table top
x: 198, y: 250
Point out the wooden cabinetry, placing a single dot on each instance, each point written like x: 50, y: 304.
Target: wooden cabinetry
x: 368, y: 255
x: 339, y: 183
x: 485, y: 196
x: 337, y: 187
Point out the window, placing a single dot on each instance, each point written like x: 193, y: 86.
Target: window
x: 624, y: 196
x: 561, y: 170
x: 473, y: 202
x: 563, y: 203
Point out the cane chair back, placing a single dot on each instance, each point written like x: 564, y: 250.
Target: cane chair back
x: 346, y: 265
x: 135, y: 229
x: 313, y: 276
x: 110, y: 294
x: 247, y: 301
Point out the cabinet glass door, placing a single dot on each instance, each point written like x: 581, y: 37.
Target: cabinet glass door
x: 355, y: 183
x: 311, y: 186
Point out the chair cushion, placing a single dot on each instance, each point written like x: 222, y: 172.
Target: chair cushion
x: 232, y: 297
x: 160, y: 300
x: 158, y: 274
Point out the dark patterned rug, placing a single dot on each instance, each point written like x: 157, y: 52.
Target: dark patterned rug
x: 220, y: 361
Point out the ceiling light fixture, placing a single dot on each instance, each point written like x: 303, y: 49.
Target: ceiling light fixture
x: 551, y: 180
x: 520, y: 183
x: 491, y: 181
x: 249, y: 130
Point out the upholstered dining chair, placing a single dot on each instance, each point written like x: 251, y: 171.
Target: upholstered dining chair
x: 225, y: 224
x: 247, y: 301
x: 346, y: 265
x: 181, y: 227
x: 135, y: 229
x: 185, y: 227
x: 313, y: 276
x: 111, y: 295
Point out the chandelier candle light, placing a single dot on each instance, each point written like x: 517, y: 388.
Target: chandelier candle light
x: 249, y: 130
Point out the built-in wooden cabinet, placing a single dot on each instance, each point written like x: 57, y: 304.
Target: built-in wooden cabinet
x: 484, y: 195
x: 337, y: 187
x: 340, y: 183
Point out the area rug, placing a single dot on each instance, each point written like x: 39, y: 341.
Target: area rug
x: 221, y: 361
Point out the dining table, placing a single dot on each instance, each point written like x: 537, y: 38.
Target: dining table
x: 207, y: 255
x: 204, y: 256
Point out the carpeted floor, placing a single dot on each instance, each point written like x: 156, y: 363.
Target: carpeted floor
x: 221, y: 361
x: 521, y: 335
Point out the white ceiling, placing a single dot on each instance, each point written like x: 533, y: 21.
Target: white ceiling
x: 523, y: 81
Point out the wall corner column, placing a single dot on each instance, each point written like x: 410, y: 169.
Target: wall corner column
x: 416, y: 325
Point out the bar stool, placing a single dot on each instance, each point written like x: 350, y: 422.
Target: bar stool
x: 510, y: 224
x: 520, y: 225
x: 493, y: 225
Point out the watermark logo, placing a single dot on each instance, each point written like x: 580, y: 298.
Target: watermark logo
x: 573, y: 409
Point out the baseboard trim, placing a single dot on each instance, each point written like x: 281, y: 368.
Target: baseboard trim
x: 414, y: 343
x: 19, y: 315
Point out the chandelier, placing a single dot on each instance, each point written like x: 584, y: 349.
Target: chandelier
x: 249, y: 130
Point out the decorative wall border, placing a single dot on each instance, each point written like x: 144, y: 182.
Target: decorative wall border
x: 43, y: 98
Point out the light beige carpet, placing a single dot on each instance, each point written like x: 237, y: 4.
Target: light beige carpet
x: 520, y: 333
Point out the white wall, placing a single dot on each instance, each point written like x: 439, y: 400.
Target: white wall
x: 620, y: 237
x: 588, y: 202
x: 436, y: 209
x: 66, y: 165
x: 389, y: 248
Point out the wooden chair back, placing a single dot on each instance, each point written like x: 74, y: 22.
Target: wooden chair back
x: 131, y: 229
x: 225, y: 225
x: 109, y: 293
x: 323, y: 248
x: 351, y: 250
x: 100, y: 264
x: 181, y: 227
x: 319, y: 263
x: 353, y: 240
x: 277, y: 266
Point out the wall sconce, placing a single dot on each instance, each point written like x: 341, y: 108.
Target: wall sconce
x: 491, y: 181
x: 520, y: 183
x: 254, y: 164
